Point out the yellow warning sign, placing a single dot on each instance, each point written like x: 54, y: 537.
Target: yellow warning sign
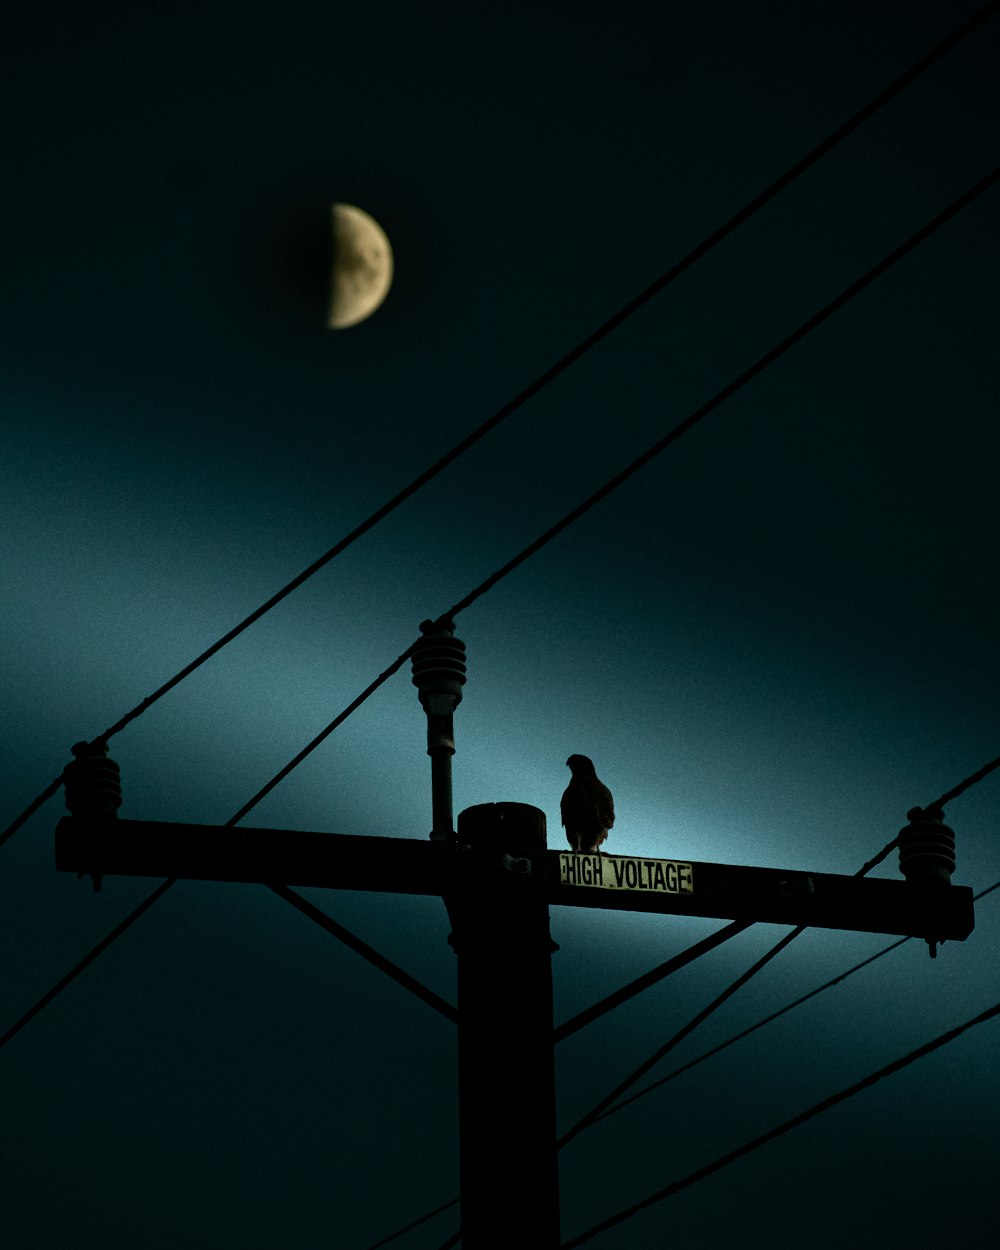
x: 626, y: 872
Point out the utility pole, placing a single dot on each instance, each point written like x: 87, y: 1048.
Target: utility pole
x: 506, y: 1056
x: 498, y: 879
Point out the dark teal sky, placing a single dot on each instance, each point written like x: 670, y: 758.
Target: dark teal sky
x: 773, y: 641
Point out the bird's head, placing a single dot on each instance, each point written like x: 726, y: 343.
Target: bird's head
x: 581, y: 765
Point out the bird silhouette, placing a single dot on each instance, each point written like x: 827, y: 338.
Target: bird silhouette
x: 587, y: 807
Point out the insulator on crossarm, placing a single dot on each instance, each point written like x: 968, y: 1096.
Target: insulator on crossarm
x: 439, y: 666
x: 439, y: 675
x: 92, y: 782
x: 926, y: 847
x: 927, y: 853
x: 93, y: 788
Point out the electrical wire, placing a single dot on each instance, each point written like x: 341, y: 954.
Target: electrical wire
x: 85, y: 962
x: 416, y: 1224
x: 817, y: 319
x: 827, y: 1103
x: 290, y: 896
x: 708, y: 1054
x: 738, y: 1037
x: 338, y: 720
x: 653, y: 977
x: 601, y: 1109
x: 986, y: 12
x: 608, y: 1100
x: 962, y: 786
x: 702, y: 249
x: 762, y: 363
x: 807, y: 326
x: 597, y: 1111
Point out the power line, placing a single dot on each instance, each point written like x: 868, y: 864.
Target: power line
x: 708, y: 1054
x: 609, y: 1099
x: 618, y: 1106
x: 738, y: 1037
x: 290, y: 896
x: 597, y: 1111
x: 86, y: 961
x: 962, y: 786
x: 416, y: 1224
x: 827, y: 1103
x: 653, y: 977
x: 762, y: 363
x: 612, y: 484
x: 37, y: 802
x: 161, y: 889
x: 817, y: 319
x: 986, y: 12
x: 338, y: 720
x: 674, y: 272
x: 326, y: 922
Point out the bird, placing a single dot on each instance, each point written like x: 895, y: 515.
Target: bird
x: 587, y: 807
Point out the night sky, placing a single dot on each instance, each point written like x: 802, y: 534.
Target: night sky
x: 773, y: 640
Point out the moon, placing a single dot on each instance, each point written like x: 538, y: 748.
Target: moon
x: 362, y: 266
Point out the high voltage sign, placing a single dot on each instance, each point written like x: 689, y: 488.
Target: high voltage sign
x: 626, y: 872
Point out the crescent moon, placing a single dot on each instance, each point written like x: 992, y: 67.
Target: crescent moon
x: 362, y: 266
